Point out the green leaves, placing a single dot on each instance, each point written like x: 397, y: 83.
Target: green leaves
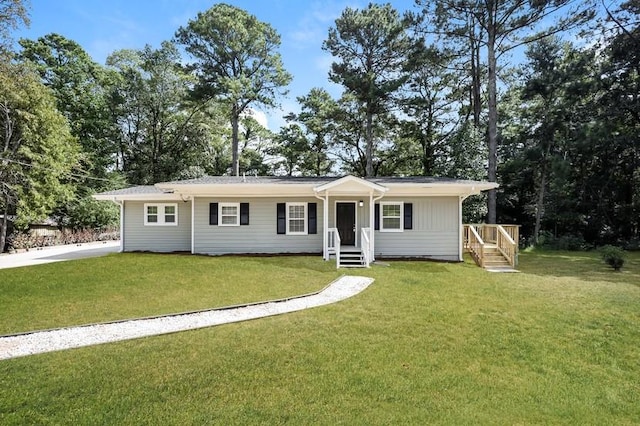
x: 38, y: 151
x: 236, y: 62
x: 372, y: 47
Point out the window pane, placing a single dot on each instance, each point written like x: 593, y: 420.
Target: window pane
x: 152, y: 209
x: 296, y: 212
x: 296, y: 225
x: 229, y: 220
x: 152, y: 218
x: 391, y: 210
x: 391, y: 223
x: 229, y: 210
x: 170, y: 218
x: 169, y: 209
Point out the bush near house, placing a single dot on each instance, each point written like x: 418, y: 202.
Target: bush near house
x: 26, y: 240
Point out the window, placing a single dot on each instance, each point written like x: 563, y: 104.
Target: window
x: 296, y: 218
x: 391, y: 216
x: 229, y: 214
x: 161, y: 214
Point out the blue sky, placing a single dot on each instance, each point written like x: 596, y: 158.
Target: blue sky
x: 101, y: 27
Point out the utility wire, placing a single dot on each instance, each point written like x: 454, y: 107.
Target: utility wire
x: 42, y: 167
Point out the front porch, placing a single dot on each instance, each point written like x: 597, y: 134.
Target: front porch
x: 348, y: 216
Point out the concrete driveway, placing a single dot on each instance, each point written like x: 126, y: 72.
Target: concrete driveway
x: 58, y: 254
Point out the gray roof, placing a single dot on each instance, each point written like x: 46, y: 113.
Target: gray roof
x: 222, y: 180
x: 317, y: 180
x: 137, y: 190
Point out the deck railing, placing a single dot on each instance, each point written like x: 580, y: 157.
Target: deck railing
x: 507, y: 246
x: 333, y: 243
x: 366, y: 245
x: 475, y: 244
x: 504, y: 237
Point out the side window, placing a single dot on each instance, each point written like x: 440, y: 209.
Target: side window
x: 161, y: 214
x: 229, y: 214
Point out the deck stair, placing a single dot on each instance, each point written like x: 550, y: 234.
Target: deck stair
x: 493, y: 258
x: 351, y: 257
x: 493, y: 247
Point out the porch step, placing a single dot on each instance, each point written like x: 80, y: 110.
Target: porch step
x: 494, y: 259
x: 351, y: 258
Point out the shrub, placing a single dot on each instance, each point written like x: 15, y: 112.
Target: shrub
x: 563, y: 242
x: 27, y: 240
x: 613, y: 256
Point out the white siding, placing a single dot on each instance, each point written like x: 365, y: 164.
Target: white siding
x: 435, y: 233
x: 260, y: 236
x: 138, y: 237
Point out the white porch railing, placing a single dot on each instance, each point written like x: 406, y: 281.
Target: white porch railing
x: 333, y: 244
x: 366, y: 246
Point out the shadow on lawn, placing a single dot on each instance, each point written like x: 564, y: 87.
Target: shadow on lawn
x: 585, y: 266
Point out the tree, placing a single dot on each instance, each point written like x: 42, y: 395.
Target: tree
x: 80, y: 86
x: 236, y: 62
x: 429, y: 103
x: 160, y: 133
x: 317, y: 115
x: 506, y: 25
x: 37, y: 150
x: 372, y: 46
x: 290, y: 149
x: 13, y: 13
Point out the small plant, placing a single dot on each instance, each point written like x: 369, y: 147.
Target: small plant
x: 614, y: 256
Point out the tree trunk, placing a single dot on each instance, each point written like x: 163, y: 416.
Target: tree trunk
x: 235, y: 160
x: 492, y: 141
x: 3, y: 225
x: 540, y: 204
x: 369, y: 148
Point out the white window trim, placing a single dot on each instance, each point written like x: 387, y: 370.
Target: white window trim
x: 161, y: 214
x: 221, y: 206
x: 305, y: 219
x: 394, y: 203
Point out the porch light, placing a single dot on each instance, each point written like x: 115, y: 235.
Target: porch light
x: 360, y: 203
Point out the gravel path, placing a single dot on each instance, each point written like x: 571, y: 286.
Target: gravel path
x: 75, y: 337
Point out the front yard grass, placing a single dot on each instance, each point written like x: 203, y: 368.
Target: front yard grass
x: 427, y: 343
x: 132, y: 285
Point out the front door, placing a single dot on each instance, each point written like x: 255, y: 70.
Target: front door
x: 346, y: 223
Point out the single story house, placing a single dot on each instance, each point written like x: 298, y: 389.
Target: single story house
x: 353, y: 219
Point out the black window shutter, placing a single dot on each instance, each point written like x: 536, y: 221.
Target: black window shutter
x: 282, y: 218
x: 376, y: 214
x: 408, y: 216
x: 244, y: 213
x: 312, y: 211
x: 213, y: 213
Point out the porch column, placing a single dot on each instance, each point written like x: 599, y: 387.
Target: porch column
x: 325, y: 226
x: 460, y: 229
x: 193, y: 224
x: 121, y: 226
x: 372, y: 242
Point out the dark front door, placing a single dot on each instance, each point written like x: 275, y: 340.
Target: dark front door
x: 346, y: 223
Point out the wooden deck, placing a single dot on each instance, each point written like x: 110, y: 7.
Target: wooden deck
x: 492, y: 246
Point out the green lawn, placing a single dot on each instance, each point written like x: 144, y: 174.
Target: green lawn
x: 558, y: 343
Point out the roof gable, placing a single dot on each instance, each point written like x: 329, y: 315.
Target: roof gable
x: 350, y: 184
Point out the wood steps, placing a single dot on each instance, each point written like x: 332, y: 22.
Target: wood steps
x: 351, y: 258
x: 493, y: 258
